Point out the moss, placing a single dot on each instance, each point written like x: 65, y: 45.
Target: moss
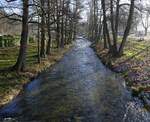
x: 129, y: 53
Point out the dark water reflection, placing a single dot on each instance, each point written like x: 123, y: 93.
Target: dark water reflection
x: 78, y: 89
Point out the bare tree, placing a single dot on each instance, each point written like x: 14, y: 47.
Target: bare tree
x: 128, y: 26
x: 21, y: 61
x: 145, y: 18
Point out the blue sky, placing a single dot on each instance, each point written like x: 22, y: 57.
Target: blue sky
x: 16, y: 5
x: 10, y: 3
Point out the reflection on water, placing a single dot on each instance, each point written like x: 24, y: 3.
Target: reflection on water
x: 78, y: 89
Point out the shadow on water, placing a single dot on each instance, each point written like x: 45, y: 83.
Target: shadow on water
x: 77, y: 89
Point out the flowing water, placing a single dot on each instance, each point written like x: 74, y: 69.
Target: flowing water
x: 77, y: 89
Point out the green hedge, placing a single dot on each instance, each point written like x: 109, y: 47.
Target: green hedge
x: 8, y: 41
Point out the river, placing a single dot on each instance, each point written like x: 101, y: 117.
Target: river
x: 79, y: 88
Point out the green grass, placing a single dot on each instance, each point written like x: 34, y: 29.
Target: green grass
x: 8, y: 56
x: 134, y: 64
x: 11, y: 82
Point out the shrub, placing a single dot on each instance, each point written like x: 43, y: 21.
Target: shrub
x: 7, y: 41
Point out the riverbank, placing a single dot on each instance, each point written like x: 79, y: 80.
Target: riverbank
x: 134, y: 66
x: 11, y: 83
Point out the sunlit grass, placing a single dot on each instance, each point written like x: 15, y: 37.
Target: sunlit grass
x: 133, y: 63
x: 11, y: 82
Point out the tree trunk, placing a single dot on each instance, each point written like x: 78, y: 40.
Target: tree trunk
x: 104, y: 38
x: 100, y: 30
x: 105, y: 24
x: 146, y: 30
x: 58, y: 33
x: 114, y: 50
x: 48, y: 49
x: 128, y: 26
x: 66, y: 22
x: 21, y: 61
x: 62, y: 27
x: 70, y: 37
x: 58, y: 25
x: 117, y: 18
x: 75, y: 19
x: 38, y: 45
x: 42, y: 52
x: 62, y: 34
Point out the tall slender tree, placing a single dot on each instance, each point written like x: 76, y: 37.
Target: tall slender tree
x: 42, y: 51
x: 21, y: 60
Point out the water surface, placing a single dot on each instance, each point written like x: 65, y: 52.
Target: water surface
x: 77, y: 89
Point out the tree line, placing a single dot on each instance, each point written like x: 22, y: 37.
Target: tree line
x: 110, y: 18
x: 55, y: 20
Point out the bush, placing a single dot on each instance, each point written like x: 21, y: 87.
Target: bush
x: 7, y: 41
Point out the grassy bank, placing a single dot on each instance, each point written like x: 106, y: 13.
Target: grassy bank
x: 134, y: 66
x: 10, y: 82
